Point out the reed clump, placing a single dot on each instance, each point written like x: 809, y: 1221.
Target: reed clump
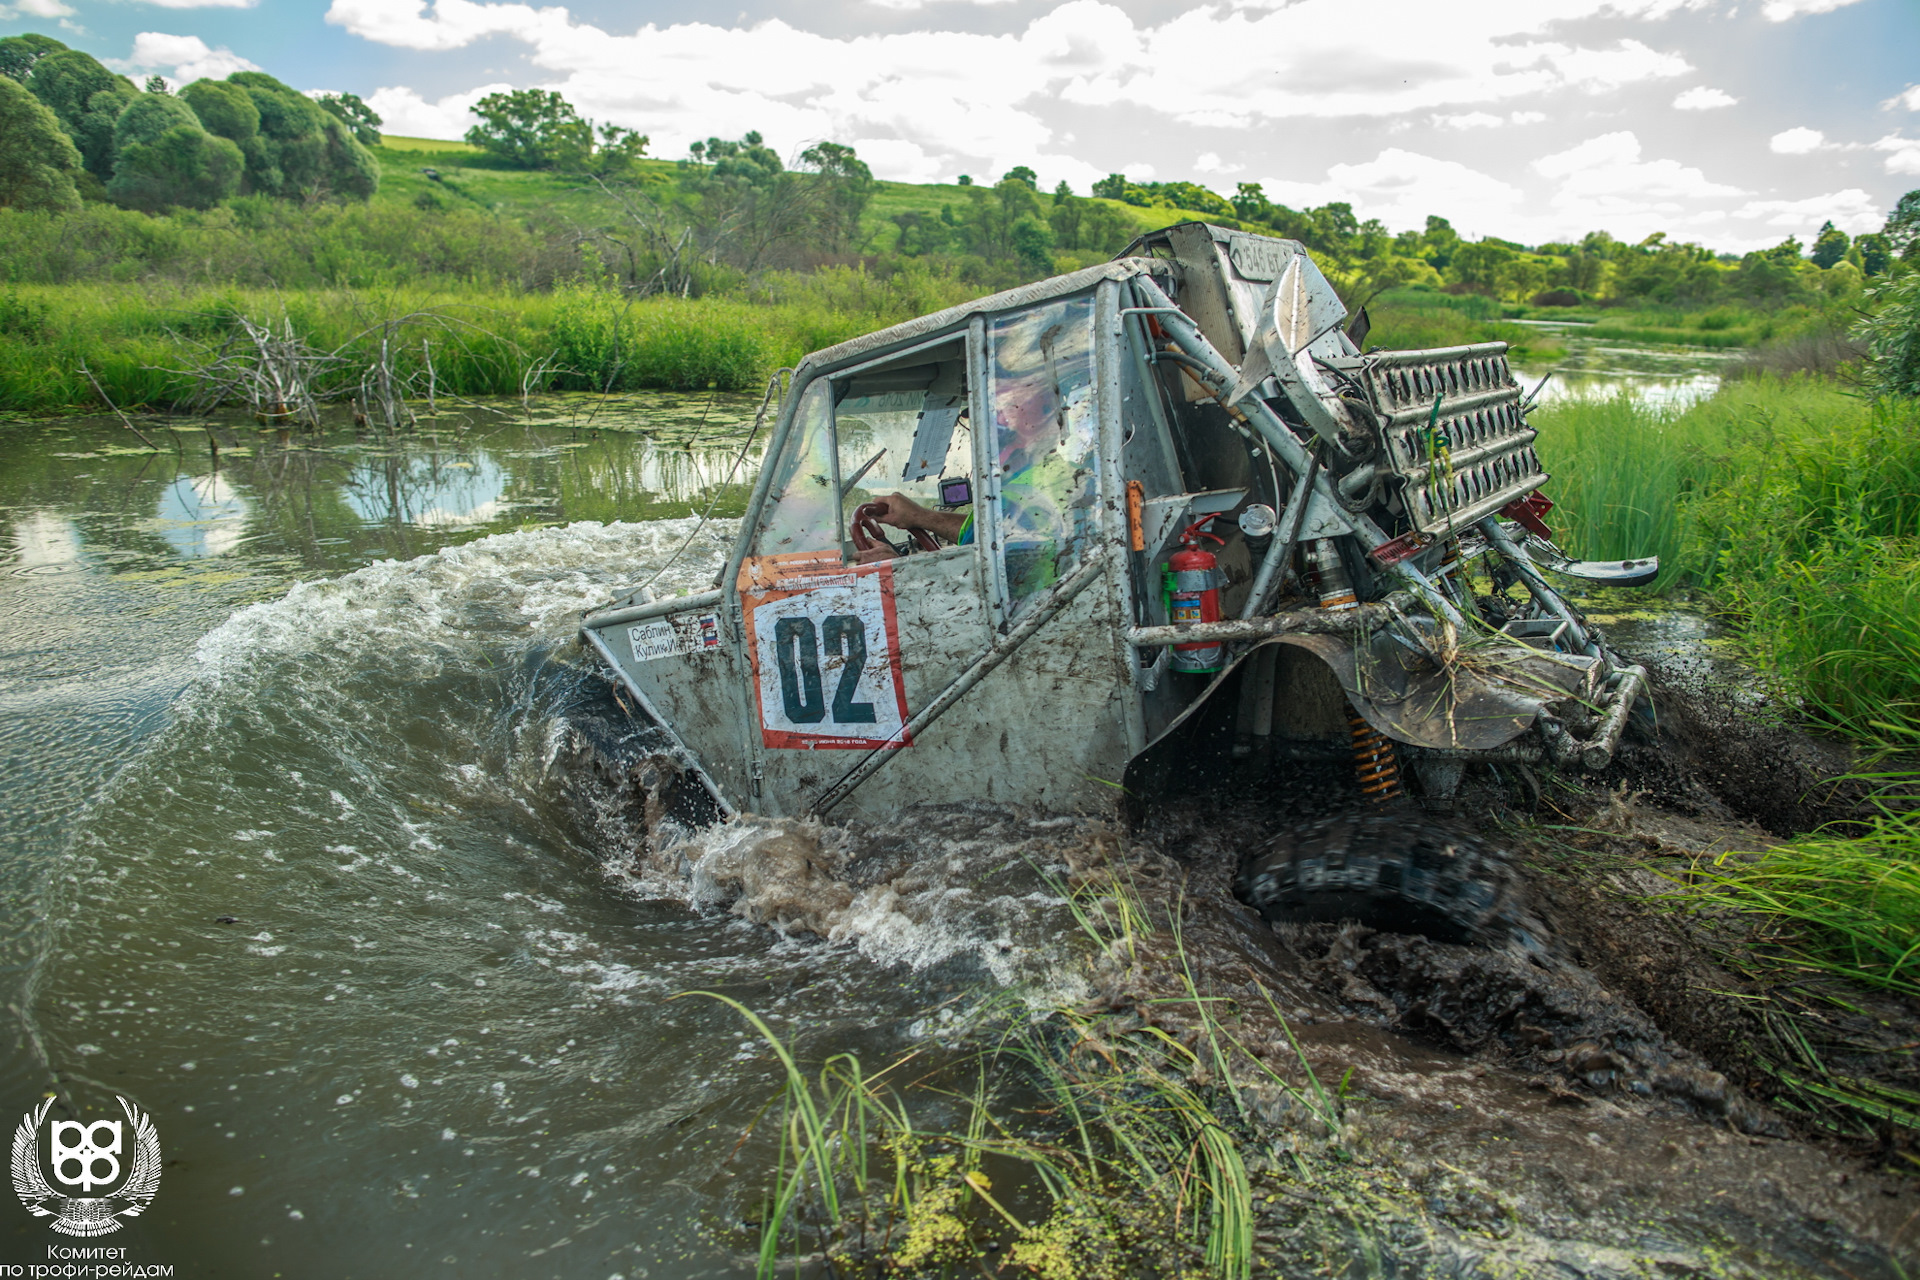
x: 1791, y: 504
x: 1111, y: 1139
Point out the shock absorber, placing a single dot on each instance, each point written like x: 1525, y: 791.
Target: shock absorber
x: 1336, y: 589
x: 1375, y: 762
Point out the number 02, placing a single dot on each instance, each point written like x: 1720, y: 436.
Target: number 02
x: 796, y: 649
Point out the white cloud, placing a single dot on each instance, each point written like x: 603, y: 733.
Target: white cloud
x: 202, y: 4
x: 406, y: 114
x: 1210, y: 162
x: 1604, y: 182
x: 921, y: 4
x: 187, y: 56
x: 1702, y: 98
x: 1797, y: 142
x: 1852, y: 210
x: 1402, y: 187
x: 1908, y: 97
x: 975, y: 101
x: 1528, y: 117
x: 1903, y: 154
x: 1781, y: 10
x: 47, y: 9
x: 1471, y: 120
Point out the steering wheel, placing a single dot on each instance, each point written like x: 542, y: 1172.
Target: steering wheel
x: 865, y: 528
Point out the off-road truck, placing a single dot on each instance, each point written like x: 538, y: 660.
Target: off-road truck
x: 1189, y: 491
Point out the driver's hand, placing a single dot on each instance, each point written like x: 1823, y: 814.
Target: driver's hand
x: 875, y: 554
x: 902, y: 512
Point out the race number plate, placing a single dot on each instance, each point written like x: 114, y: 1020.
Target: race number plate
x: 824, y: 644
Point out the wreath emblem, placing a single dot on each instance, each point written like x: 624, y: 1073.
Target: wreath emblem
x: 81, y: 1147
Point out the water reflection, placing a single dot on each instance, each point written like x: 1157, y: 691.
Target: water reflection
x: 1591, y: 369
x: 203, y: 515
x: 44, y: 542
x: 427, y: 491
x: 333, y: 500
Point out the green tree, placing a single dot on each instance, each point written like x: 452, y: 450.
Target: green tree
x: 1190, y: 195
x: 1250, y: 203
x: 1021, y: 173
x: 362, y: 121
x: 167, y: 159
x: 155, y: 84
x: 744, y: 204
x: 1481, y: 265
x: 1830, y: 246
x: 1903, y: 226
x: 1892, y: 332
x: 1032, y: 244
x: 292, y: 147
x: 619, y: 152
x: 531, y: 129
x: 986, y: 226
x: 19, y: 53
x: 1441, y: 242
x: 965, y: 180
x: 227, y: 111
x: 88, y: 100
x: 921, y: 233
x: 1771, y: 277
x: 845, y: 188
x: 1111, y: 187
x: 1874, y: 251
x: 38, y: 163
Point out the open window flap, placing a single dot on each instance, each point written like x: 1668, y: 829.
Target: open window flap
x: 946, y: 401
x: 1490, y: 698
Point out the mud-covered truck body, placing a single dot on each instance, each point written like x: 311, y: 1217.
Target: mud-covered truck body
x: 1184, y: 479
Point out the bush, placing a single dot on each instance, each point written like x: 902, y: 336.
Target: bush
x: 606, y: 343
x: 38, y: 163
x: 165, y: 158
x: 1892, y: 334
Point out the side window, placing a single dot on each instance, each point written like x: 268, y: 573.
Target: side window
x: 905, y: 430
x: 802, y: 507
x: 1045, y: 442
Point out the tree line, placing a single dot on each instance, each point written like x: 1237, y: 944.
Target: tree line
x: 75, y: 130
x: 732, y: 207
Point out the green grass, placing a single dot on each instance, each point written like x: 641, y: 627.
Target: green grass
x: 1792, y: 504
x: 394, y: 142
x: 1848, y: 905
x: 485, y: 337
x: 1075, y: 1145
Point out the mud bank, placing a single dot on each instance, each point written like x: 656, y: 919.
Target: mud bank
x: 1501, y: 1110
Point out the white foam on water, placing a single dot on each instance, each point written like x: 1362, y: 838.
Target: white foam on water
x: 420, y: 612
x: 958, y: 902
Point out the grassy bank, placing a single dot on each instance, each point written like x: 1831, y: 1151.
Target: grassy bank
x: 1792, y: 504
x: 483, y: 339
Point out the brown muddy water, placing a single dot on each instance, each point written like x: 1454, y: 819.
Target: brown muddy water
x: 298, y: 860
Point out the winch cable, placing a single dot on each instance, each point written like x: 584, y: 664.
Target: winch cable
x: 759, y: 419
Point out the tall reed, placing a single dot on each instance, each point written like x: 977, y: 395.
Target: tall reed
x: 1126, y: 1138
x: 1792, y: 504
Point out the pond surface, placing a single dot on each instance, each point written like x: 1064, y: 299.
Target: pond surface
x: 295, y: 860
x: 316, y: 687
x: 1664, y: 377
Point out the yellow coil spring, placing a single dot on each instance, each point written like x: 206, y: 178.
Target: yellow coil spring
x: 1374, y: 761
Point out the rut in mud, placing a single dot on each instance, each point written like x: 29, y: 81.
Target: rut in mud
x: 1538, y: 1097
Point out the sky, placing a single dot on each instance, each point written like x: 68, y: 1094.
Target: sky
x: 1731, y: 123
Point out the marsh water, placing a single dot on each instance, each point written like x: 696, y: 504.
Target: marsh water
x: 1661, y: 377
x: 290, y: 865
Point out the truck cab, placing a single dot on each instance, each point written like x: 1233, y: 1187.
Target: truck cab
x: 1183, y: 488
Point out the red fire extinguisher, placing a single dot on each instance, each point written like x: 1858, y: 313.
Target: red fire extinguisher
x: 1193, y: 595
